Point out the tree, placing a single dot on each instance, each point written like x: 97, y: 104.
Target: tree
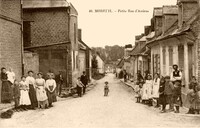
x: 94, y: 65
x: 110, y: 53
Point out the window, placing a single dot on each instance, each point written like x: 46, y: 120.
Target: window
x: 156, y: 63
x: 73, y: 60
x: 75, y: 32
x: 77, y: 60
x: 27, y: 33
x: 164, y: 56
x: 181, y: 56
x: 170, y: 56
x: 164, y: 60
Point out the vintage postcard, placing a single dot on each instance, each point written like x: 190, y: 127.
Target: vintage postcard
x: 100, y: 63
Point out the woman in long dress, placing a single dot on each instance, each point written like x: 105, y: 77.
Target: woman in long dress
x: 156, y: 85
x: 144, y: 93
x: 6, y: 91
x: 148, y: 90
x: 24, y: 95
x: 51, y: 86
x: 41, y: 92
x: 32, y: 93
x: 162, y: 99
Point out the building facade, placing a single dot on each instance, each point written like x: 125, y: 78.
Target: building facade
x: 50, y: 31
x: 85, y: 56
x: 11, y: 51
x: 101, y: 64
x: 178, y: 43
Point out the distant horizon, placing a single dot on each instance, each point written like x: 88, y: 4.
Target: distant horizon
x: 114, y: 22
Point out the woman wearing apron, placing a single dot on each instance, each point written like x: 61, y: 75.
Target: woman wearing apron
x: 32, y: 93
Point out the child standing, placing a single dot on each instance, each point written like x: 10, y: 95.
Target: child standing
x: 177, y: 96
x: 156, y: 84
x: 16, y: 95
x: 24, y: 91
x: 138, y: 89
x: 162, y: 99
x: 79, y: 86
x: 168, y: 92
x: 191, y: 96
x: 149, y: 84
x: 106, y: 89
x: 197, y: 100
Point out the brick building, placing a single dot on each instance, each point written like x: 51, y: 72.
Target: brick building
x: 11, y: 36
x: 50, y: 34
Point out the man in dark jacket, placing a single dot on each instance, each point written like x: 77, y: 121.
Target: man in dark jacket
x: 176, y: 78
x: 59, y: 81
x: 84, y: 80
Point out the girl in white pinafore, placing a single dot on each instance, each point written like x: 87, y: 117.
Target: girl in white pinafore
x: 41, y: 92
x: 144, y: 93
x: 24, y: 96
x: 156, y: 85
x: 149, y: 83
x: 147, y: 90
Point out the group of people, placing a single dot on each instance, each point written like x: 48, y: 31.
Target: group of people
x: 167, y: 90
x: 29, y: 92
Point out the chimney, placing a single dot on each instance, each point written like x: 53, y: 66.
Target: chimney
x: 169, y: 17
x: 186, y: 9
x: 157, y: 16
x: 79, y: 34
x: 137, y: 38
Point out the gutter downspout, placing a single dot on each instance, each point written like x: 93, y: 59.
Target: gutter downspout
x: 67, y: 56
x: 22, y: 40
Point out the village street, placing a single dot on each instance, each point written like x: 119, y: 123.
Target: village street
x: 96, y: 111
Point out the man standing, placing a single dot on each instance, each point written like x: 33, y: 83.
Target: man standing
x: 59, y: 81
x: 176, y: 78
x: 84, y: 80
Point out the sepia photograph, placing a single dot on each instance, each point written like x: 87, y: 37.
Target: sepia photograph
x: 100, y: 63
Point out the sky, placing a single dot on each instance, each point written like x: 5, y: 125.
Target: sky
x: 116, y: 28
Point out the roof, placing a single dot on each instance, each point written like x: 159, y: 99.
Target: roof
x: 120, y: 63
x: 138, y: 48
x: 44, y: 4
x: 187, y: 1
x: 170, y: 9
x: 175, y: 31
x: 84, y: 44
x: 151, y: 35
x: 127, y: 59
x: 143, y: 39
x: 81, y: 46
x: 98, y: 54
x: 157, y: 11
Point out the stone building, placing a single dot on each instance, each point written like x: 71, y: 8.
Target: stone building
x: 11, y: 36
x: 51, y: 38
